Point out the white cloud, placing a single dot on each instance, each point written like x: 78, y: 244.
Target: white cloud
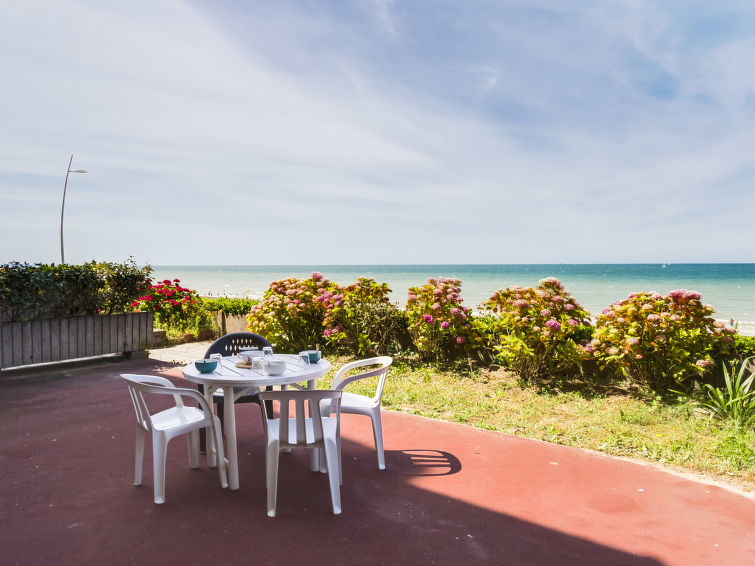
x: 525, y: 135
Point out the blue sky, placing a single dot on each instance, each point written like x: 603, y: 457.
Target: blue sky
x: 363, y: 132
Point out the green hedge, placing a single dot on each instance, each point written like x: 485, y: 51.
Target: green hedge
x: 32, y: 291
x: 233, y: 306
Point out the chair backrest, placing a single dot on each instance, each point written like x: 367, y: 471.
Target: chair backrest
x: 140, y: 384
x: 302, y: 400
x: 231, y: 344
x: 342, y: 378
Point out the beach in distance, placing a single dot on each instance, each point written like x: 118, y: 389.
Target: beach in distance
x: 729, y: 287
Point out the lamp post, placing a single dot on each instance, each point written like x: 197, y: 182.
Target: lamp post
x: 63, y: 207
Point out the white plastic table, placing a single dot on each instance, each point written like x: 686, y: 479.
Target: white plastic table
x: 227, y: 377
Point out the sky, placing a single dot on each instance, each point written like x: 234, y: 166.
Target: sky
x: 378, y: 131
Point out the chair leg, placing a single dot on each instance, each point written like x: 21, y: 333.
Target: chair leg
x: 331, y: 458
x: 192, y: 446
x: 340, y: 461
x: 271, y: 472
x: 139, y: 460
x: 377, y: 433
x: 159, y: 454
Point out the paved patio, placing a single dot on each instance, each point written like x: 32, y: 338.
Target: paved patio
x: 451, y: 494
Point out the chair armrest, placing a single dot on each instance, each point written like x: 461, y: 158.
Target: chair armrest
x: 178, y: 392
x: 384, y: 363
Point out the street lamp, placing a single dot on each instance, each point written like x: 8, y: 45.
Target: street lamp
x: 63, y: 207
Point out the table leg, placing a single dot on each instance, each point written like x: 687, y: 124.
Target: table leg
x: 212, y: 455
x: 230, y: 437
x: 202, y: 432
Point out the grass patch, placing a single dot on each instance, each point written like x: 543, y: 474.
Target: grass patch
x: 610, y: 419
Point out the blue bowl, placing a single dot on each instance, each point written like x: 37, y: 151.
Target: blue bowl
x: 206, y: 366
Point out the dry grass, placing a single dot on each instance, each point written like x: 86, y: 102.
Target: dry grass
x: 613, y: 420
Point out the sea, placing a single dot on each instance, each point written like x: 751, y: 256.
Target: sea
x: 729, y: 287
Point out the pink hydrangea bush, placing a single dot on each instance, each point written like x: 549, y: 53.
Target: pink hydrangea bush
x: 440, y: 326
x: 291, y: 315
x: 659, y: 341
x: 360, y: 319
x: 536, y: 332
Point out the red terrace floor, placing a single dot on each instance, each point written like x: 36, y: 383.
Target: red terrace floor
x: 451, y: 494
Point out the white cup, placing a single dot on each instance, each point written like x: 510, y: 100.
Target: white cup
x: 304, y: 358
x: 249, y: 356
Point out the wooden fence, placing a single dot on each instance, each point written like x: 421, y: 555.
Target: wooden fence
x: 52, y: 340
x: 227, y: 323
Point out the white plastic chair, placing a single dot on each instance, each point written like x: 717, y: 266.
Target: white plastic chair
x: 361, y: 404
x: 170, y: 423
x: 294, y: 431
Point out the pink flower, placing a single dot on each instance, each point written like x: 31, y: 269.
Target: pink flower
x: 569, y: 307
x: 436, y: 307
x: 460, y: 339
x: 572, y: 322
x: 521, y: 303
x: 545, y: 312
x: 454, y: 310
x: 428, y: 318
x: 552, y: 323
x: 653, y: 317
x: 444, y: 324
x: 316, y: 276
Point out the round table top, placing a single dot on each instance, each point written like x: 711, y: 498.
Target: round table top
x: 228, y: 374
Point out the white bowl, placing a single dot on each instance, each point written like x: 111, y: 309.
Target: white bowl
x: 273, y: 367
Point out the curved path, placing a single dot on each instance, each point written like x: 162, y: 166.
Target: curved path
x: 450, y: 495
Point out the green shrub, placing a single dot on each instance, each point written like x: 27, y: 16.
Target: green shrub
x: 736, y: 401
x: 290, y: 315
x: 439, y: 325
x: 35, y: 291
x: 536, y: 332
x: 122, y: 283
x: 177, y: 309
x: 237, y: 306
x: 361, y: 321
x: 659, y: 341
x: 744, y: 347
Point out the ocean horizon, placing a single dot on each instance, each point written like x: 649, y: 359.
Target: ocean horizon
x: 729, y: 287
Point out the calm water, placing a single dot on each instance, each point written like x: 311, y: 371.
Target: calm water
x: 729, y: 287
